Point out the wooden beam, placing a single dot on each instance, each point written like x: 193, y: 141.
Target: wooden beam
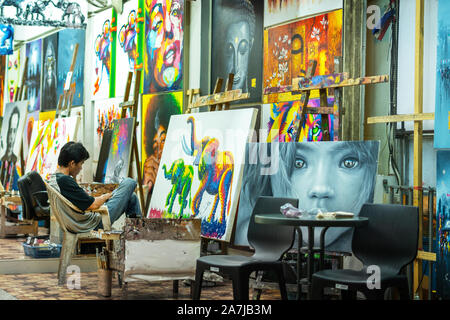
x: 424, y: 255
x: 401, y: 118
x: 220, y: 98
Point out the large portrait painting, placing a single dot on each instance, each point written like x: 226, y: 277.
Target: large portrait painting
x: 156, y: 112
x: 163, y: 49
x: 236, y: 44
x: 33, y: 81
x: 71, y: 37
x: 323, y: 176
x: 49, y: 99
x: 200, y: 172
x: 14, y: 117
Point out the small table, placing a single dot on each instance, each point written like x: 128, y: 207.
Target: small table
x: 311, y: 222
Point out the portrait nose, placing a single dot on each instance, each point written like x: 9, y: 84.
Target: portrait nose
x: 321, y: 191
x: 169, y: 31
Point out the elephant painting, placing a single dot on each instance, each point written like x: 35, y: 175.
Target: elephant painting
x: 215, y: 173
x: 180, y: 177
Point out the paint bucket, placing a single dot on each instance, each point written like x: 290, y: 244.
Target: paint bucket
x: 104, y: 282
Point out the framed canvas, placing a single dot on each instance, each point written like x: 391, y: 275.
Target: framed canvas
x: 163, y: 48
x: 236, y: 45
x: 33, y: 82
x: 71, y: 37
x: 157, y: 110
x: 323, y: 176
x: 6, y: 39
x: 47, y: 139
x: 14, y: 117
x: 2, y: 81
x: 119, y: 155
x: 12, y: 75
x: 49, y: 99
x: 200, y: 172
x: 32, y: 117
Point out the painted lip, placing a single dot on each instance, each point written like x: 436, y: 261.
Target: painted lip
x: 169, y: 55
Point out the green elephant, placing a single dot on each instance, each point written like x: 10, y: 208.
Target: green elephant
x: 180, y: 176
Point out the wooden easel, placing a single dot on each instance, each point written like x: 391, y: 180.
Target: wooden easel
x: 216, y: 102
x: 418, y: 117
x: 65, y: 99
x: 133, y: 106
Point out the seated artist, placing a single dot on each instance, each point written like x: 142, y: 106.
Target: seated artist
x: 70, y: 162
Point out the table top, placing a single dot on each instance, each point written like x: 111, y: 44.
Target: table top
x: 310, y: 221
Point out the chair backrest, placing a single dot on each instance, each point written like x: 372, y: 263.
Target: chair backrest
x: 69, y: 217
x: 28, y: 184
x: 270, y: 241
x: 390, y: 240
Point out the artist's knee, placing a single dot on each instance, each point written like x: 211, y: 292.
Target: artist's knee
x: 129, y: 183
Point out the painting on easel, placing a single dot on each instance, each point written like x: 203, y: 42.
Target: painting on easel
x: 33, y: 81
x: 200, y: 172
x: 2, y: 81
x: 32, y: 117
x: 163, y: 49
x: 237, y: 44
x: 71, y: 37
x: 119, y: 156
x: 49, y: 72
x: 12, y: 75
x: 156, y: 112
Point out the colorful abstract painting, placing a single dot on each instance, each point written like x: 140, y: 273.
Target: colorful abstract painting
x: 28, y: 131
x: 68, y: 38
x: 326, y: 176
x: 6, y: 39
x: 442, y: 112
x: 156, y: 112
x: 236, y: 45
x: 282, y: 118
x: 14, y: 117
x: 119, y: 156
x: 443, y: 224
x: 33, y: 82
x: 289, y: 48
x: 106, y: 111
x: 200, y: 172
x: 100, y: 50
x: 47, y: 139
x: 126, y: 44
x: 49, y: 99
x: 163, y: 48
x: 2, y: 81
x: 12, y: 75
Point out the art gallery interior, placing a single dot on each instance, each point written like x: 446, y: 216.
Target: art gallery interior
x: 224, y: 150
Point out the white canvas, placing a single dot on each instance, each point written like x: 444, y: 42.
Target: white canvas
x: 223, y: 135
x: 10, y: 144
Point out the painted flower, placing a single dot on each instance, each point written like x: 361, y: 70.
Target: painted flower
x: 324, y: 22
x: 315, y: 33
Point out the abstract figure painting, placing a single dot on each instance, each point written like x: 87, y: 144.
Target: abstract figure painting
x: 156, y: 112
x: 6, y: 39
x: 126, y: 51
x: 32, y: 117
x: 443, y: 223
x: 442, y: 112
x: 289, y: 48
x: 49, y: 72
x: 200, y: 172
x: 14, y: 117
x: 163, y: 49
x: 12, y: 75
x: 118, y: 161
x: 2, y: 82
x: 325, y: 176
x: 100, y: 49
x: 71, y: 37
x: 237, y: 44
x: 47, y: 139
x: 33, y: 82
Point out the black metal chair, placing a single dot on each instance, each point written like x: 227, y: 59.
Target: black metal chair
x: 270, y: 242
x: 389, y: 242
x: 33, y: 194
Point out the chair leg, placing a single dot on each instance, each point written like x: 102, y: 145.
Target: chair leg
x: 68, y: 247
x: 317, y: 289
x: 175, y: 289
x: 198, y: 282
x: 240, y: 285
x: 281, y: 282
x: 257, y: 294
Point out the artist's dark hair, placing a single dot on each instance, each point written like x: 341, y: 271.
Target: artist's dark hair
x: 165, y: 105
x: 72, y: 151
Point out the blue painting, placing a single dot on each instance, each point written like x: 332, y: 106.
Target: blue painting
x: 49, y: 72
x: 33, y: 82
x: 6, y: 39
x: 443, y: 224
x: 442, y: 112
x: 68, y: 38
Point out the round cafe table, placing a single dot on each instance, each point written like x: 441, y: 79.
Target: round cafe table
x: 311, y: 222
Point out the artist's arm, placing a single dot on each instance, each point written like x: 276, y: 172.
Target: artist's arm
x: 99, y: 201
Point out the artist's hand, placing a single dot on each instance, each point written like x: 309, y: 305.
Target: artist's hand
x: 151, y: 166
x: 106, y: 196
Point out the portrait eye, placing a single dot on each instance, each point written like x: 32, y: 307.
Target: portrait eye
x: 350, y: 163
x: 300, y: 163
x: 243, y: 47
x: 229, y: 51
x: 176, y: 12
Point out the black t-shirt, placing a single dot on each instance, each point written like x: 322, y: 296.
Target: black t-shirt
x: 70, y: 189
